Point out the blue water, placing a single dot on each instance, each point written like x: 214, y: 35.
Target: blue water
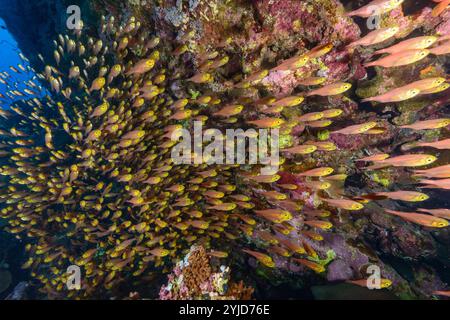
x: 9, y: 49
x: 9, y: 53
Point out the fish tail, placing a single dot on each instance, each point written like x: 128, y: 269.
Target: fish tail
x: 391, y: 212
x: 429, y: 186
x: 381, y: 51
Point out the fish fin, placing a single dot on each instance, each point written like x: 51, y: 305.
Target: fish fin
x: 381, y: 51
x: 352, y: 13
x: 391, y: 212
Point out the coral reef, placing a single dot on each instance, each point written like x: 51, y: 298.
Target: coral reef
x: 193, y: 278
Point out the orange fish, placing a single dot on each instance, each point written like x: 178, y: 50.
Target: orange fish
x: 441, y: 7
x: 426, y: 84
x: 437, y: 172
x: 331, y: 89
x: 272, y: 110
x: 268, y: 237
x: 218, y: 254
x: 265, y: 178
x: 419, y: 218
x: 180, y: 104
x: 428, y: 124
x: 293, y: 63
x: 444, y: 37
x: 275, y: 215
x: 310, y: 250
x: 224, y: 207
x: 274, y: 195
x: 252, y: 79
x: 409, y: 160
x: 97, y: 84
x: 293, y: 246
x: 337, y: 177
x: 267, y: 122
x: 303, y: 149
x: 318, y: 185
x: 442, y: 144
x: 442, y: 293
x: 405, y: 195
x: 318, y: 213
x: 319, y: 123
x: 199, y: 224
x: 312, y: 235
x: 375, y: 157
x: 357, y: 128
x: 438, y: 184
x: 400, y: 58
x: 396, y: 95
x: 159, y: 252
x: 228, y: 111
x: 153, y: 180
x: 320, y: 51
x: 344, y: 204
x: 288, y: 186
x: 312, y: 116
x: 289, y: 205
x: 384, y: 283
x: 441, y: 49
x: 332, y: 113
x: 257, y: 76
x: 437, y: 89
x: 201, y: 78
x: 181, y: 115
x: 142, y: 66
x: 311, y: 265
x: 317, y: 172
x: 312, y: 81
x: 441, y: 213
x: 279, y: 251
x: 100, y: 110
x: 291, y: 101
x: 376, y: 36
x: 261, y: 257
x: 214, y: 194
x: 247, y: 219
x: 135, y: 134
x: 325, y: 225
x: 376, y: 7
x: 410, y: 44
x: 323, y: 145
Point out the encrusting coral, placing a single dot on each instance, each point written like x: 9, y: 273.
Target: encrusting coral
x: 193, y: 278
